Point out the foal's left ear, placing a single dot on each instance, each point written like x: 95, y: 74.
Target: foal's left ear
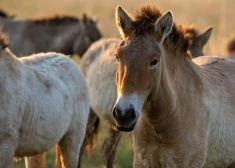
x: 163, y: 26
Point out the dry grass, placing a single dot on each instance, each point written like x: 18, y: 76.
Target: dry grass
x: 201, y: 13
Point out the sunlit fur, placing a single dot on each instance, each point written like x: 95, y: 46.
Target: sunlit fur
x: 188, y: 115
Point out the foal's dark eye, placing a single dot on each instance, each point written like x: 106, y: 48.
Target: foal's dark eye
x: 117, y: 57
x: 153, y: 63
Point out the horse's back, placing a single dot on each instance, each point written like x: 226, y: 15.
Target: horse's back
x: 28, y: 36
x: 57, y: 88
x: 63, y: 68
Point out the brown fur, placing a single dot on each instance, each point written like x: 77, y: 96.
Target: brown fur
x: 181, y: 110
x: 100, y: 56
x: 143, y: 22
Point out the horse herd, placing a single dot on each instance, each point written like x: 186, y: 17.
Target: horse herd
x: 155, y: 82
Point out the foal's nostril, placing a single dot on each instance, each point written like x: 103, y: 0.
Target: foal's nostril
x: 131, y: 113
x: 116, y: 112
x: 128, y: 114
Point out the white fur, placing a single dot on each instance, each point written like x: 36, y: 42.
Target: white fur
x: 100, y: 66
x: 44, y: 99
x: 125, y: 101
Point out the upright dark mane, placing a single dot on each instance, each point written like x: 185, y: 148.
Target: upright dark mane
x: 145, y: 18
x: 3, y: 39
x: 190, y: 29
x: 56, y: 20
x: 178, y: 40
x: 4, y: 14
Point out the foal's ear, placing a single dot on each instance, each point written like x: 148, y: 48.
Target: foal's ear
x: 163, y: 26
x: 123, y: 21
x: 204, y: 37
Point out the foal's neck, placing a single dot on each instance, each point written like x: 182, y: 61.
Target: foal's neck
x: 168, y: 100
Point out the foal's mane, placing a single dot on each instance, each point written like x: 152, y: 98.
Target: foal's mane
x: 4, y: 13
x: 179, y: 40
x: 3, y: 39
x: 56, y: 20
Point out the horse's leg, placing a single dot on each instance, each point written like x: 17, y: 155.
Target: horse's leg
x: 70, y: 149
x: 7, y: 152
x: 109, y: 147
x: 92, y: 131
x: 37, y: 161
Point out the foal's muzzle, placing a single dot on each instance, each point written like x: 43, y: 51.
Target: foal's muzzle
x: 125, y: 119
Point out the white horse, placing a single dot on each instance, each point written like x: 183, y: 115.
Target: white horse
x: 44, y: 101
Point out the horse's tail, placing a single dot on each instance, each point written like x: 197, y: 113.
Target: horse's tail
x: 92, y: 131
x: 57, y: 158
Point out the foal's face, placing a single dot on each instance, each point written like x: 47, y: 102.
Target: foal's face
x: 138, y: 59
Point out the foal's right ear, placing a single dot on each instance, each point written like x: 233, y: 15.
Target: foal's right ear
x: 123, y: 21
x: 163, y: 26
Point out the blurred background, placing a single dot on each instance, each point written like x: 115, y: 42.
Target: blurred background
x: 202, y: 13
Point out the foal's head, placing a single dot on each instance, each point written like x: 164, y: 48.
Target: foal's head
x: 89, y: 34
x: 146, y: 40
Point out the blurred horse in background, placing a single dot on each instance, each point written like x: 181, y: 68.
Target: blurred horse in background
x: 100, y: 67
x: 63, y: 34
x: 44, y: 102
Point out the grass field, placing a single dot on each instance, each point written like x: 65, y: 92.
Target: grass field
x: 202, y: 13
